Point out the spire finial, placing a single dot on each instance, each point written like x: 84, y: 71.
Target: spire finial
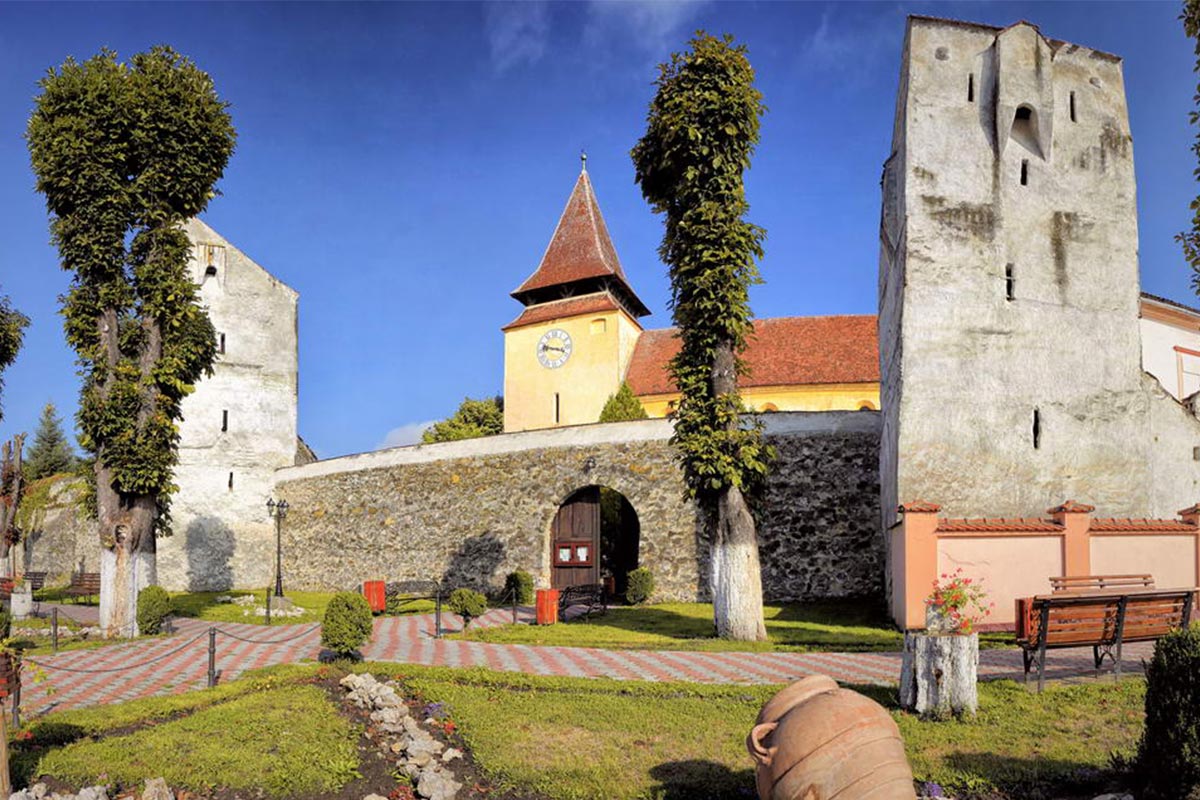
x: 583, y: 159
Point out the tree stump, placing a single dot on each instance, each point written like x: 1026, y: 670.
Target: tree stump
x: 938, y: 674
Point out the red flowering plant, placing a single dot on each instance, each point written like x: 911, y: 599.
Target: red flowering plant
x: 957, y: 603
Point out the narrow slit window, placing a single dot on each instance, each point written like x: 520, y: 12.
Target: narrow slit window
x: 1072, y: 107
x: 221, y: 344
x: 1037, y: 429
x: 1024, y: 172
x: 557, y: 408
x: 971, y: 87
x: 1010, y: 283
x: 224, y: 421
x: 231, y: 480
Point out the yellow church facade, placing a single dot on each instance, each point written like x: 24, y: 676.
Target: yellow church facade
x: 579, y: 337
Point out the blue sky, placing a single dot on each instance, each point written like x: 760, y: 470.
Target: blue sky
x: 403, y: 166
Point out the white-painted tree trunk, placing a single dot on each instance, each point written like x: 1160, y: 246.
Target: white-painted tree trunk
x: 123, y: 575
x: 735, y: 570
x: 938, y: 674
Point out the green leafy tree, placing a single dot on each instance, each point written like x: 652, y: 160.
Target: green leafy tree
x: 473, y: 419
x: 125, y: 153
x: 51, y: 451
x: 12, y: 334
x: 701, y: 131
x: 1190, y: 239
x: 622, y: 406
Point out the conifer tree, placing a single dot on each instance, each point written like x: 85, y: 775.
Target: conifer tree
x: 622, y: 406
x: 474, y: 418
x: 51, y: 452
x: 701, y: 131
x: 125, y: 153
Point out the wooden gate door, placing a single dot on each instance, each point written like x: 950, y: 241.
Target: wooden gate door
x: 575, y: 540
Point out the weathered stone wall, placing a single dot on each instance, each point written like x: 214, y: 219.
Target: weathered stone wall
x: 470, y: 512
x: 1009, y: 287
x: 58, y: 537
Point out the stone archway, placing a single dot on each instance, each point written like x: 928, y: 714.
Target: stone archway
x: 594, y: 538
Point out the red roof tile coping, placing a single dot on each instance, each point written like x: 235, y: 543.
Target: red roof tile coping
x: 782, y: 351
x: 580, y: 247
x: 1141, y: 525
x: 570, y: 307
x: 1190, y: 511
x: 998, y: 525
x: 1071, y: 507
x: 920, y: 507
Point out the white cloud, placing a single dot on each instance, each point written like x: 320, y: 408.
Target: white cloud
x: 656, y: 26
x: 516, y: 32
x: 851, y: 46
x: 405, y: 434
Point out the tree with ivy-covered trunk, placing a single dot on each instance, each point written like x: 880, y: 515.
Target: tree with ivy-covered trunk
x: 12, y: 334
x: 125, y: 153
x: 701, y: 131
x: 1190, y: 239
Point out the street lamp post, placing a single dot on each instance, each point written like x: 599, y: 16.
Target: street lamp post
x: 278, y: 511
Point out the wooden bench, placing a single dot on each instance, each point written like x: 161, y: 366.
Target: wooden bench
x: 84, y: 584
x: 1100, y: 583
x: 36, y: 580
x: 1104, y: 621
x: 589, y: 595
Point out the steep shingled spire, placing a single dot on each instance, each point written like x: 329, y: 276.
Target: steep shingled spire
x: 580, y: 258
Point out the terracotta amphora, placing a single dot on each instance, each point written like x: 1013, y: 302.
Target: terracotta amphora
x: 814, y: 741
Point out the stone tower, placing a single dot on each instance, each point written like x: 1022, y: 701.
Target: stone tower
x: 238, y: 427
x: 1008, y: 287
x: 569, y: 349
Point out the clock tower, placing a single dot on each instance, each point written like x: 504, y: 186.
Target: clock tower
x: 569, y: 349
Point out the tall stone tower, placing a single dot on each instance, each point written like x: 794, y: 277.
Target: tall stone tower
x: 569, y: 349
x: 1008, y: 287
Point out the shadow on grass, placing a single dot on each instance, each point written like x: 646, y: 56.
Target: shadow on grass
x: 687, y: 780
x: 26, y: 753
x: 1034, y: 778
x: 194, y: 604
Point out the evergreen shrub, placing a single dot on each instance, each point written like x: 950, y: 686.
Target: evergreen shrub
x: 153, y: 606
x: 1168, y: 759
x: 520, y: 582
x: 347, y: 624
x: 641, y: 586
x: 468, y: 604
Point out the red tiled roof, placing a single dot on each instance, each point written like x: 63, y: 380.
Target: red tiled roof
x: 580, y: 248
x: 919, y: 506
x: 784, y: 351
x: 998, y: 524
x: 584, y: 304
x: 1140, y: 525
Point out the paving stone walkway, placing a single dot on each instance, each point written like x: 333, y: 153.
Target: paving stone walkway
x: 179, y: 662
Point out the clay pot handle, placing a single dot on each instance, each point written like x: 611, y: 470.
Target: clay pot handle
x: 754, y: 743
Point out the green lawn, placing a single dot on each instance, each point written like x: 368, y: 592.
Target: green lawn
x: 684, y: 740
x: 639, y: 740
x: 831, y: 625
x: 241, y: 738
x: 204, y: 605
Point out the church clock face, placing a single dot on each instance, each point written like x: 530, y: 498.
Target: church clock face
x: 554, y: 348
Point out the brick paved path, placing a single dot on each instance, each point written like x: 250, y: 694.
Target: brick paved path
x: 179, y: 662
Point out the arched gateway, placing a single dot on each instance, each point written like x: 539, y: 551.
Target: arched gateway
x: 594, y: 539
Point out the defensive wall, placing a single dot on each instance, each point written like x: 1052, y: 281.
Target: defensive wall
x: 471, y: 511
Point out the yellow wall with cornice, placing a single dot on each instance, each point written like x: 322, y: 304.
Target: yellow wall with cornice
x: 812, y: 397
x: 602, y: 345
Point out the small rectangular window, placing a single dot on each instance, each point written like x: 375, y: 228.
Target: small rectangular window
x: 1010, y: 283
x: 221, y: 344
x: 224, y: 421
x: 1072, y: 106
x: 231, y: 480
x: 1037, y: 429
x: 556, y: 409
x: 1024, y: 172
x: 971, y: 88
